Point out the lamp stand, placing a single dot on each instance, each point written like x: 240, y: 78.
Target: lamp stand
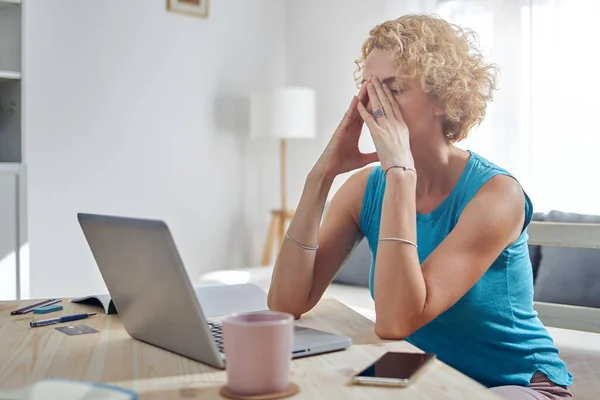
x: 278, y: 217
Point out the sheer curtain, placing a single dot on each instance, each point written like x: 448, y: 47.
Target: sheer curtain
x: 541, y: 125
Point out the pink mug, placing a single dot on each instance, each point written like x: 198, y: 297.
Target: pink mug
x: 258, y: 352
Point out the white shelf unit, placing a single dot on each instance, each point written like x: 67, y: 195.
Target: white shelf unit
x: 9, y: 76
x: 10, y: 168
x: 12, y: 171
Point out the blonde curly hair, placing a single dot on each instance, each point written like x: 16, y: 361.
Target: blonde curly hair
x: 447, y: 62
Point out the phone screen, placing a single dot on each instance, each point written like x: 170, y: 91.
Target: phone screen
x: 393, y: 366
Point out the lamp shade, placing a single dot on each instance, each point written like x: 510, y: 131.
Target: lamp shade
x: 283, y: 113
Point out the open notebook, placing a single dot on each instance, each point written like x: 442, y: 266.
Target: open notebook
x: 245, y: 297
x: 100, y: 300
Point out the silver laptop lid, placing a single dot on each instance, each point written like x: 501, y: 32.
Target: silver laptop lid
x: 149, y: 285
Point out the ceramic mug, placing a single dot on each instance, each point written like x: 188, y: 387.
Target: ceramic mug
x: 258, y: 352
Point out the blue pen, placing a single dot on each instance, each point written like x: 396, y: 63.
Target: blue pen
x: 58, y: 320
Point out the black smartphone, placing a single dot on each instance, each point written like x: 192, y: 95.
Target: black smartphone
x: 394, y: 369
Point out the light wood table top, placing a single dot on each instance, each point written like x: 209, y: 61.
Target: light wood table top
x: 111, y: 356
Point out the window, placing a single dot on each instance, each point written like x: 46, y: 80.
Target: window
x: 541, y: 126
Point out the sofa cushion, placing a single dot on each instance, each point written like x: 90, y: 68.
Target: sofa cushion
x: 355, y: 270
x: 569, y: 275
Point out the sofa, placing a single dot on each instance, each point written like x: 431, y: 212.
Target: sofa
x: 561, y: 275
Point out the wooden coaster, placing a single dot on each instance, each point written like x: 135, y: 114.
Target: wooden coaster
x: 292, y: 390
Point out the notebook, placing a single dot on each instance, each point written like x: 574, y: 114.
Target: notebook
x: 100, y: 300
x: 254, y: 299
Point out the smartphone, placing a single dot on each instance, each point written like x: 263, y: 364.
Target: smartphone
x: 394, y: 369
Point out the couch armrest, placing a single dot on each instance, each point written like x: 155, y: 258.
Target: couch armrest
x: 568, y: 235
x: 569, y: 317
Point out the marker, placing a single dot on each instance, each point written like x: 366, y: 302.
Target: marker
x: 30, y: 308
x: 58, y: 320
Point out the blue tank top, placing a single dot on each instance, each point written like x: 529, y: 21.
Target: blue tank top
x: 492, y: 334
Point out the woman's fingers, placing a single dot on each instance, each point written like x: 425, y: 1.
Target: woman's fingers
x: 348, y: 115
x: 386, y: 104
x: 368, y: 118
x: 375, y: 102
x: 352, y: 114
x: 394, y: 104
x: 362, y: 96
x: 352, y: 109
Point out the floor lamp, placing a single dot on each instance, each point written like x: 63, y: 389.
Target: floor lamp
x: 282, y: 113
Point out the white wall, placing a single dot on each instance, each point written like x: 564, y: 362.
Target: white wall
x: 132, y: 110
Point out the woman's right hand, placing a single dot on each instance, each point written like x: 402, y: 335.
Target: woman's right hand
x: 342, y: 153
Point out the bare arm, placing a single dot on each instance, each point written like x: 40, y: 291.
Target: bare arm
x: 408, y: 295
x: 300, y: 276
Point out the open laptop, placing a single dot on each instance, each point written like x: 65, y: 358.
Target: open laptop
x: 156, y: 301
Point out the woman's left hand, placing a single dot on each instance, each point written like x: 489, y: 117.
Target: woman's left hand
x: 387, y: 127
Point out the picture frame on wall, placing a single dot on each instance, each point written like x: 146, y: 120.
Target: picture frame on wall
x: 196, y: 8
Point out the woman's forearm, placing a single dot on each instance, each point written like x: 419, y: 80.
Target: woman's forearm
x: 293, y: 272
x: 399, y: 287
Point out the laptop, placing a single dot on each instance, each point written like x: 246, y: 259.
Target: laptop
x: 156, y: 301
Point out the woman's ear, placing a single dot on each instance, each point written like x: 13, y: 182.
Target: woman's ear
x: 439, y: 109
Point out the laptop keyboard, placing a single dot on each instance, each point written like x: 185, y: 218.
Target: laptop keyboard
x: 217, y: 332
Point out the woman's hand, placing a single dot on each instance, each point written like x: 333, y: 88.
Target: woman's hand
x: 342, y: 153
x: 387, y: 127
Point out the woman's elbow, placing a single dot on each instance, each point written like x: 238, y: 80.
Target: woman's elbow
x: 295, y: 312
x: 391, y: 331
x: 282, y: 307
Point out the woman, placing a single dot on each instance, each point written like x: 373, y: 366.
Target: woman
x: 446, y: 228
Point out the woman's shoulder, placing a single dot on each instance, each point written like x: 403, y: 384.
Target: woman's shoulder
x: 480, y: 173
x: 484, y: 164
x: 488, y: 180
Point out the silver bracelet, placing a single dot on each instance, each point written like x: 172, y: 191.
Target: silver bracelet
x: 301, y: 245
x: 393, y: 239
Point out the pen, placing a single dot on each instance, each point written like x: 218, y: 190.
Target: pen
x: 58, y: 320
x: 30, y: 308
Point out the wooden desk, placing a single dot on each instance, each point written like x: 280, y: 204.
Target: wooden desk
x: 111, y: 356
